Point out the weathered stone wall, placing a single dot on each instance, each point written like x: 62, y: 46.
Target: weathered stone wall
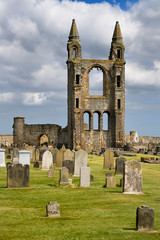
x: 6, y: 139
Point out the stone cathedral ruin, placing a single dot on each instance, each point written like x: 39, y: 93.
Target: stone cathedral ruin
x: 77, y: 135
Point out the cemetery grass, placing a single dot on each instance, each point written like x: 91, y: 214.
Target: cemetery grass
x: 95, y: 213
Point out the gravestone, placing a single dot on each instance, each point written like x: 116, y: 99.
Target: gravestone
x: 2, y: 157
x: 81, y: 160
x: 109, y: 174
x: 15, y: 156
x: 91, y: 178
x: 145, y: 218
x: 24, y: 157
x: 132, y: 177
x: 53, y: 209
x: 110, y: 182
x: 85, y: 176
x: 51, y: 172
x: 54, y: 152
x: 37, y: 154
x: 41, y: 151
x: 17, y: 175
x: 108, y: 159
x: 59, y: 158
x: 36, y: 164
x: 47, y: 160
x: 69, y: 165
x: 64, y: 176
x: 119, y: 165
x: 68, y: 155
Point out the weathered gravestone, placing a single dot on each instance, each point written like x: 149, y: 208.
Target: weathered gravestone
x: 53, y: 209
x: 47, y: 160
x: 132, y: 177
x: 145, y: 218
x: 2, y: 157
x: 51, y: 172
x: 108, y: 159
x: 64, y: 176
x: 15, y: 156
x: 81, y: 160
x: 54, y: 152
x: 59, y: 158
x: 68, y: 155
x: 85, y: 176
x: 110, y: 182
x: 119, y: 165
x: 24, y: 157
x: 37, y: 154
x: 69, y: 165
x: 17, y: 176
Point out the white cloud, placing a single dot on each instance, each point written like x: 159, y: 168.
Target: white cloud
x: 6, y: 97
x: 38, y: 98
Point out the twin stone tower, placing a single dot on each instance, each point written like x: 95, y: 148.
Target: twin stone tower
x: 78, y: 134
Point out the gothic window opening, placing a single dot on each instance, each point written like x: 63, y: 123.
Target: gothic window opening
x: 119, y: 103
x: 74, y: 52
x: 118, y: 81
x: 77, y: 102
x: 96, y: 121
x: 96, y: 77
x: 118, y: 53
x: 86, y: 121
x: 105, y: 121
x: 77, y: 79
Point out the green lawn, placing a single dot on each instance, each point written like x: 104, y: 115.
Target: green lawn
x: 94, y: 213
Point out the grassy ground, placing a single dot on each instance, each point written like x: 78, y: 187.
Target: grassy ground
x: 94, y: 213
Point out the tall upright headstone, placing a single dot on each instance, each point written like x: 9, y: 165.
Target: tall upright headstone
x: 145, y: 218
x: 119, y: 165
x: 2, y: 157
x: 64, y: 176
x: 81, y: 160
x: 132, y: 177
x: 15, y: 156
x: 47, y: 160
x: 59, y: 158
x: 24, y: 157
x: 17, y: 175
x: 108, y: 159
x: 85, y: 176
x: 37, y: 154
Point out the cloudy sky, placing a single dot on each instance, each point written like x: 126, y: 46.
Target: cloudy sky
x: 33, y: 54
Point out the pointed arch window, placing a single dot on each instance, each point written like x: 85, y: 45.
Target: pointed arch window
x: 118, y: 53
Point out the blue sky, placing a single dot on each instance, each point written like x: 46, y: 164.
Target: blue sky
x: 33, y: 54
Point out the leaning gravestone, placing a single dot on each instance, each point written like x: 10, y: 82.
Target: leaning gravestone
x: 15, y: 156
x: 85, y: 176
x: 145, y: 218
x: 24, y: 157
x: 2, y: 157
x: 17, y: 176
x: 81, y: 160
x: 108, y: 159
x: 69, y: 165
x: 64, y: 176
x: 119, y: 165
x: 132, y: 177
x: 53, y: 209
x: 47, y: 160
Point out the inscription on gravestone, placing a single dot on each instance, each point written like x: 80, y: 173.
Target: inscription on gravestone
x: 53, y: 209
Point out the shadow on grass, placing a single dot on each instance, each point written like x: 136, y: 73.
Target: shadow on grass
x: 130, y: 229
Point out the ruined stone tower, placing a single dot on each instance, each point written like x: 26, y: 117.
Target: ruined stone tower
x: 111, y: 102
